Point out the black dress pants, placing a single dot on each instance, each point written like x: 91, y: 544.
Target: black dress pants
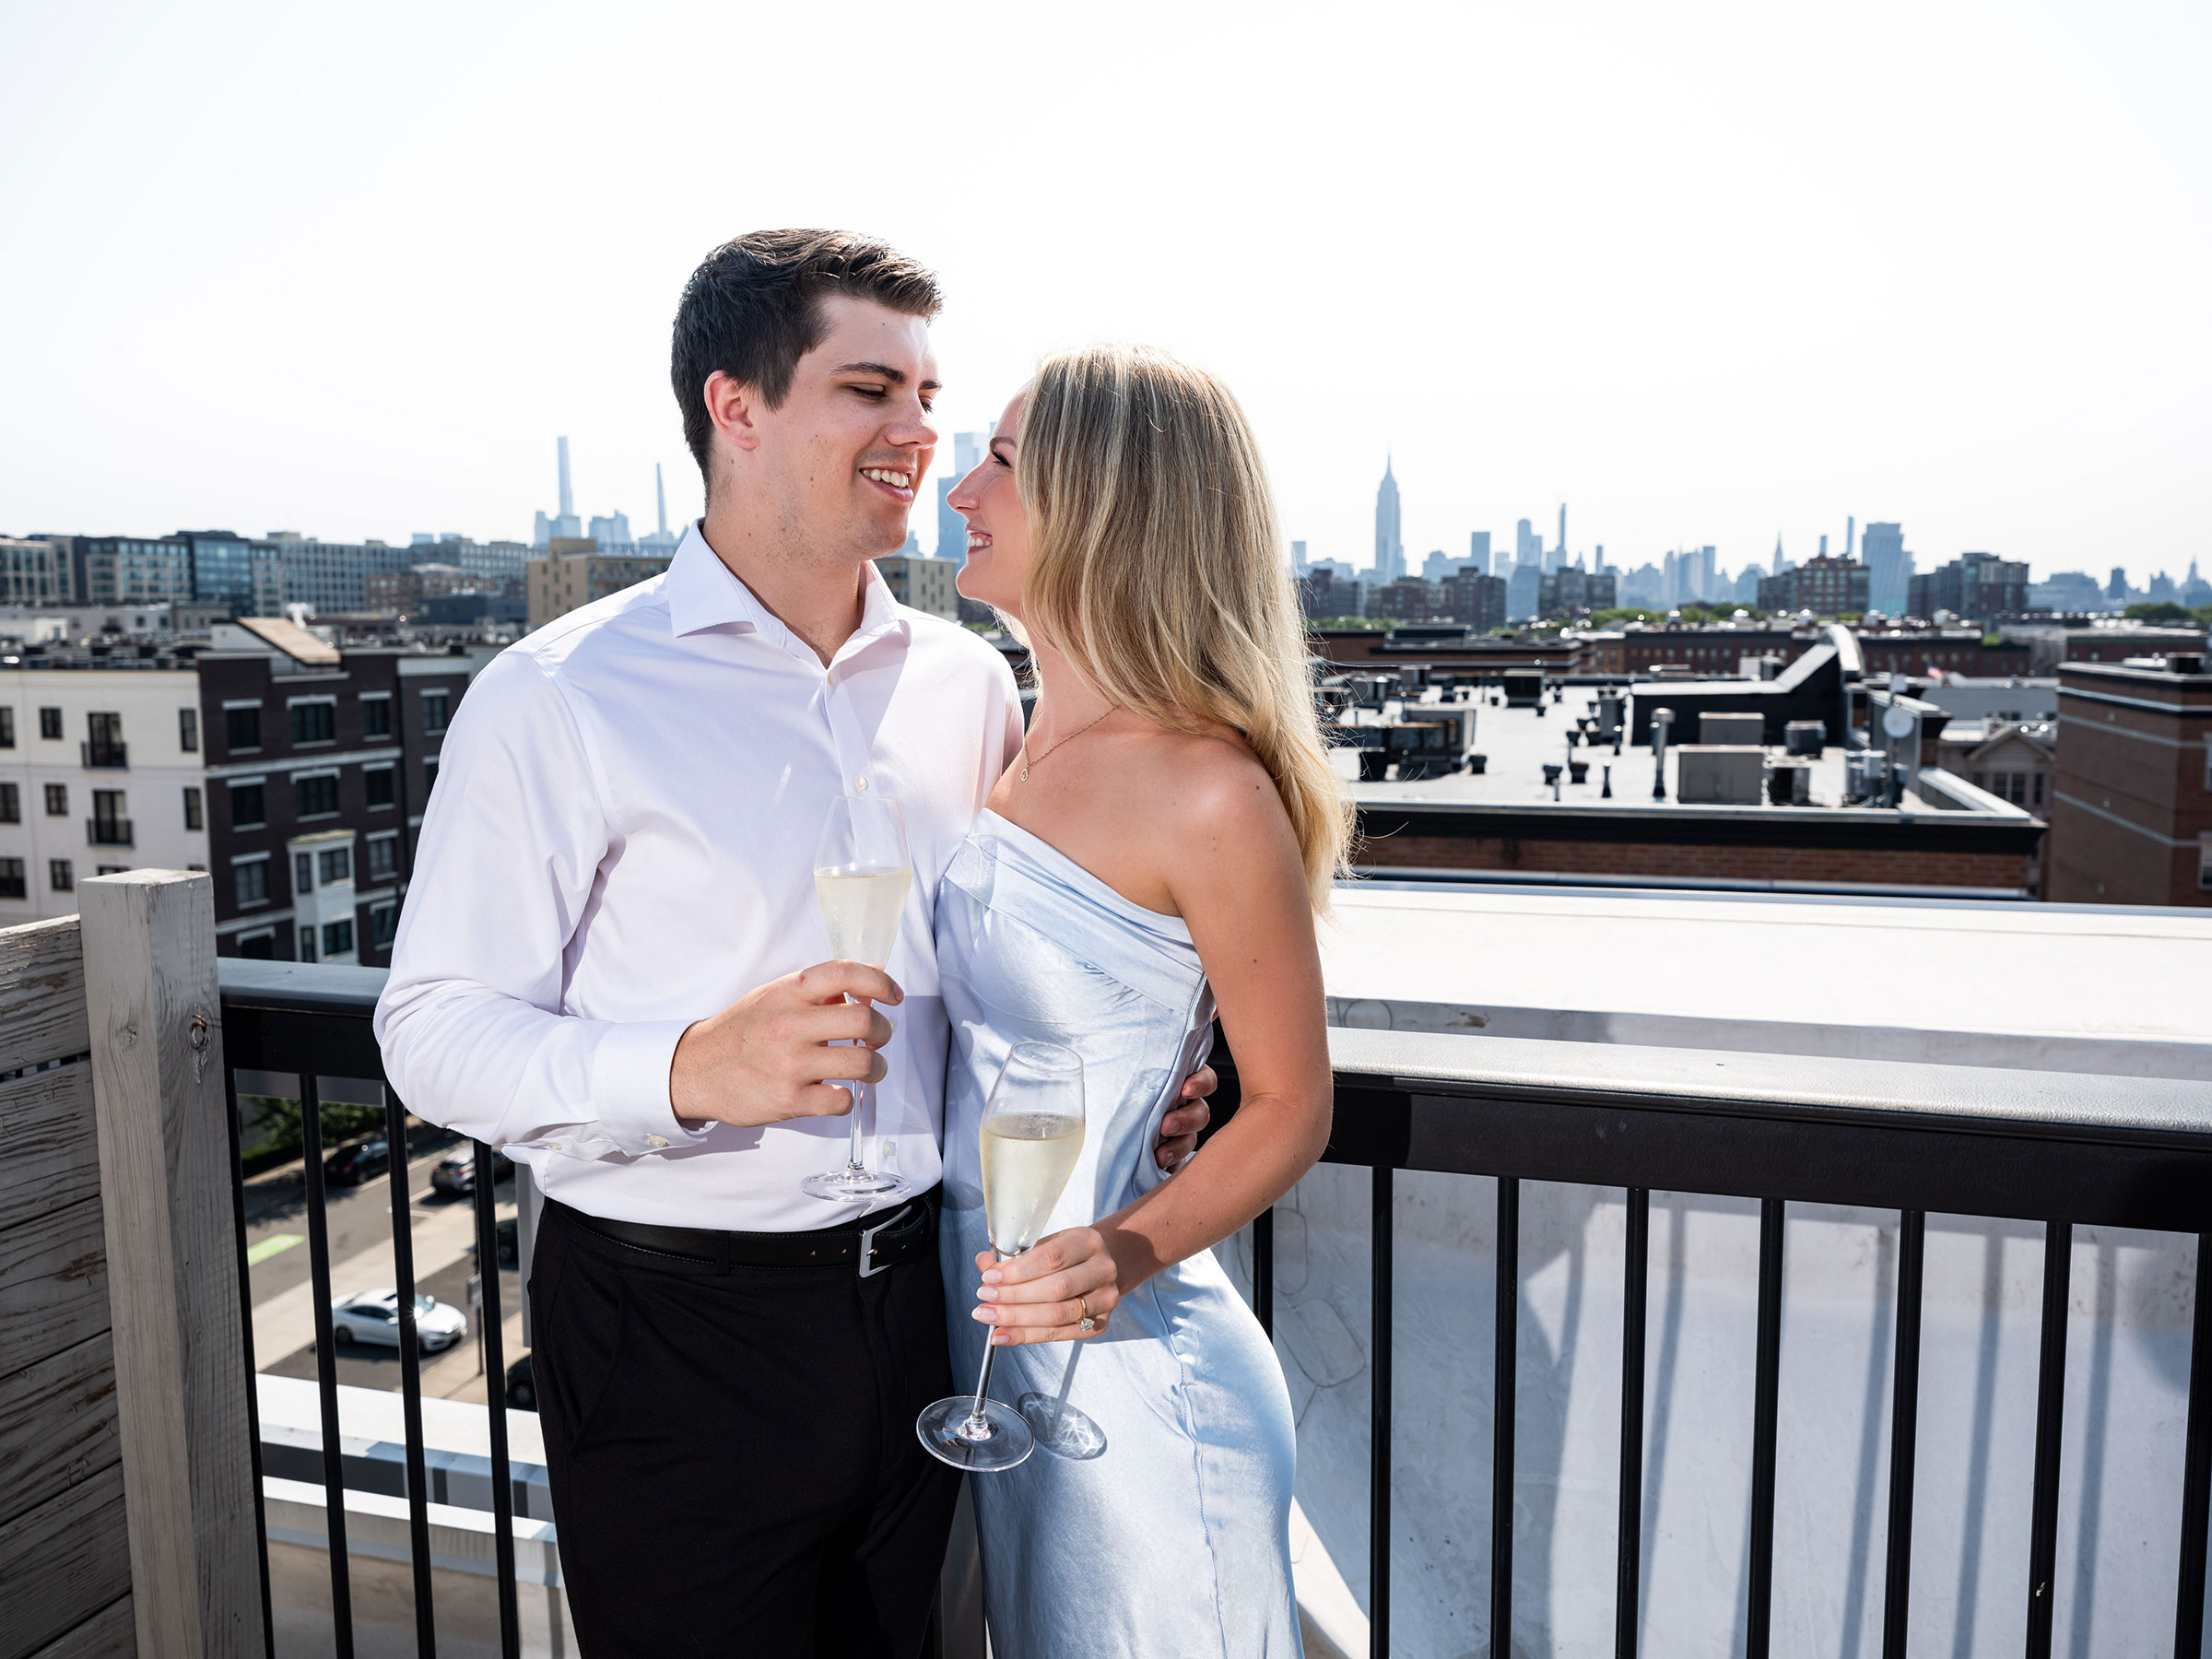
x: 732, y: 1451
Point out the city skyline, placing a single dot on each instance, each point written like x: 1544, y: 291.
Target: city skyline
x: 1945, y: 309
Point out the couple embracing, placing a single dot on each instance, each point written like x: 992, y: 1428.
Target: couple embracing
x: 729, y: 1369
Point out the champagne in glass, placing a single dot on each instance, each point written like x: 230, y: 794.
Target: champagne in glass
x: 1032, y: 1133
x: 861, y: 873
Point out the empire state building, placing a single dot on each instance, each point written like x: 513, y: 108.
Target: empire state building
x: 1390, y: 547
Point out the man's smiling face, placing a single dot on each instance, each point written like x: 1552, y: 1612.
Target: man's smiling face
x: 845, y: 452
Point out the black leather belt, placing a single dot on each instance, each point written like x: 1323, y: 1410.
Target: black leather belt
x: 897, y: 1236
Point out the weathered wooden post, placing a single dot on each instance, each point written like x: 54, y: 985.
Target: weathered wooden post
x: 158, y: 1095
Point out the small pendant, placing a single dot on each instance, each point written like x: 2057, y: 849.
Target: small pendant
x: 1025, y: 775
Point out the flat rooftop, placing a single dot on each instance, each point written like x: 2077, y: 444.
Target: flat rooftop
x: 2086, y: 988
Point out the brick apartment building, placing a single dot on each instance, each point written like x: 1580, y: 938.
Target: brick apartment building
x: 2130, y: 796
x: 319, y: 762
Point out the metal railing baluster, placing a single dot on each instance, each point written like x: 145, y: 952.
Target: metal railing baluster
x: 2050, y: 1421
x: 1504, y: 1388
x: 245, y: 1324
x: 1263, y: 1269
x: 495, y: 1401
x: 1378, y: 1474
x: 1904, y: 1434
x: 2196, y: 1468
x: 1627, y: 1571
x: 410, y: 1376
x: 326, y: 1368
x: 1758, y: 1619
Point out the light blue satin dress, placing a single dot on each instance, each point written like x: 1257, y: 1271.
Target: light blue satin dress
x: 1153, y: 1520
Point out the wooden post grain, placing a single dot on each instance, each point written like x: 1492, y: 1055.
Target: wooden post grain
x: 158, y: 1088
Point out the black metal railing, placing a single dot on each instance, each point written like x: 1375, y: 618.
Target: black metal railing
x: 2064, y: 1149
x: 313, y: 1022
x: 105, y: 757
x: 2059, y: 1150
x: 108, y: 833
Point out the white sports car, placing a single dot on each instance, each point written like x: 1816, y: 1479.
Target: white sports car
x: 374, y: 1316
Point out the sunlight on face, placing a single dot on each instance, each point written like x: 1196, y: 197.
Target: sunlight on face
x: 998, y: 530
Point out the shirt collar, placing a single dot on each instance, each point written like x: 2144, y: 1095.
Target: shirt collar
x: 703, y: 593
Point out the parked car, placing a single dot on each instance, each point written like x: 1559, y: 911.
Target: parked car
x: 509, y: 1244
x: 350, y: 1166
x: 456, y: 1171
x: 522, y: 1387
x: 372, y: 1317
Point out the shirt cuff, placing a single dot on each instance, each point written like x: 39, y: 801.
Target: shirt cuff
x: 629, y: 1087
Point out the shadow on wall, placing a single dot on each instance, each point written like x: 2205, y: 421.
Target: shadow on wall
x: 2119, y: 1495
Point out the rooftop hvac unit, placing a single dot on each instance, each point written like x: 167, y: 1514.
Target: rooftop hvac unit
x: 1732, y: 728
x: 1865, y: 775
x: 1790, y: 784
x: 1524, y: 687
x: 1805, y: 736
x: 1719, y: 774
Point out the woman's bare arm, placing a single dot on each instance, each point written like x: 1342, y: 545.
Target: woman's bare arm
x: 1227, y: 856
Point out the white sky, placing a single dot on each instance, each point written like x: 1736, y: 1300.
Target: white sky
x: 1705, y: 272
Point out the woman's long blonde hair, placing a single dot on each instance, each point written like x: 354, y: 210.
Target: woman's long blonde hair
x: 1157, y: 569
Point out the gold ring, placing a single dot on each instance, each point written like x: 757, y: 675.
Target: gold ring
x: 1090, y: 1321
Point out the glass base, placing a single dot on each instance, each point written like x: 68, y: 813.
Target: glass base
x: 943, y: 1428
x: 855, y: 1185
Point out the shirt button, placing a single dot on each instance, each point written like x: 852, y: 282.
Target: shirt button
x: 656, y: 1140
x: 860, y: 786
x: 553, y: 1146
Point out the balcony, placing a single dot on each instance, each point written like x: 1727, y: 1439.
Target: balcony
x: 105, y: 757
x: 108, y: 833
x: 1869, y: 1319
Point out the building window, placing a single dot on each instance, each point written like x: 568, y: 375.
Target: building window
x: 435, y: 706
x: 2039, y: 789
x: 110, y: 869
x: 307, y: 943
x: 250, y: 880
x: 378, y: 781
x: 61, y: 876
x: 260, y: 943
x: 383, y: 925
x: 376, y: 717
x: 188, y: 730
x: 241, y: 727
x: 248, y: 808
x: 57, y: 800
x: 7, y: 728
x: 315, y: 723
x: 50, y: 724
x: 11, y: 804
x: 384, y: 855
x: 110, y: 824
x: 191, y: 809
x: 11, y: 879
x: 303, y: 871
x: 316, y: 796
x: 337, y: 865
x: 337, y: 937
x: 430, y: 775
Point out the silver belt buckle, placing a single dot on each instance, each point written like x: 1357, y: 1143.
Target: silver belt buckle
x: 867, y: 1240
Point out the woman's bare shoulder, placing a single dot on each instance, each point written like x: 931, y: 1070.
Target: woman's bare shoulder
x: 1214, y: 790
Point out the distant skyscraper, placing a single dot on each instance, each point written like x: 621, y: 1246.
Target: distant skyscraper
x: 1478, y: 551
x: 1390, y: 547
x: 1298, y: 556
x: 1555, y: 557
x: 662, y: 538
x: 1528, y: 549
x: 2117, y: 588
x: 1888, y: 568
x: 564, y: 523
x: 613, y: 532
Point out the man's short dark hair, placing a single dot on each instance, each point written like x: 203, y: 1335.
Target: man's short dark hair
x: 754, y: 308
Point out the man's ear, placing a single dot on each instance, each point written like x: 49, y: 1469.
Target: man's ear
x: 730, y: 406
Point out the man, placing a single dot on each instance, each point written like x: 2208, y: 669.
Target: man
x: 620, y: 844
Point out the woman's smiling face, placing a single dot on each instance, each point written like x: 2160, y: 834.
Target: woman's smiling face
x: 998, y: 530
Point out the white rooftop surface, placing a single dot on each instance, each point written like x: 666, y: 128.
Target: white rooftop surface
x: 2078, y: 988
x: 1519, y: 744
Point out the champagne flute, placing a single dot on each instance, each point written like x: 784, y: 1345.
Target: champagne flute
x: 862, y: 872
x: 1032, y: 1133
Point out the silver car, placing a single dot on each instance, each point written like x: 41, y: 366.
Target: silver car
x: 372, y: 1317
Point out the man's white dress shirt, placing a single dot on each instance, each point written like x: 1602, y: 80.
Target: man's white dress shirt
x: 621, y: 842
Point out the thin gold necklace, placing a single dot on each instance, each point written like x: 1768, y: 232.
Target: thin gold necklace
x: 1027, y: 762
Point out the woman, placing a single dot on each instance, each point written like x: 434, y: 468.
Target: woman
x: 1156, y: 855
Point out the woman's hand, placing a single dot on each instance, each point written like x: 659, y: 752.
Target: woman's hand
x: 1044, y: 1294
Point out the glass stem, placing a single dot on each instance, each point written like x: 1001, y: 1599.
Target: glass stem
x: 978, y: 1426
x: 860, y: 1096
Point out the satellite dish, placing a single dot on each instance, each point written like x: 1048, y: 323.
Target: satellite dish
x: 1899, y: 722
